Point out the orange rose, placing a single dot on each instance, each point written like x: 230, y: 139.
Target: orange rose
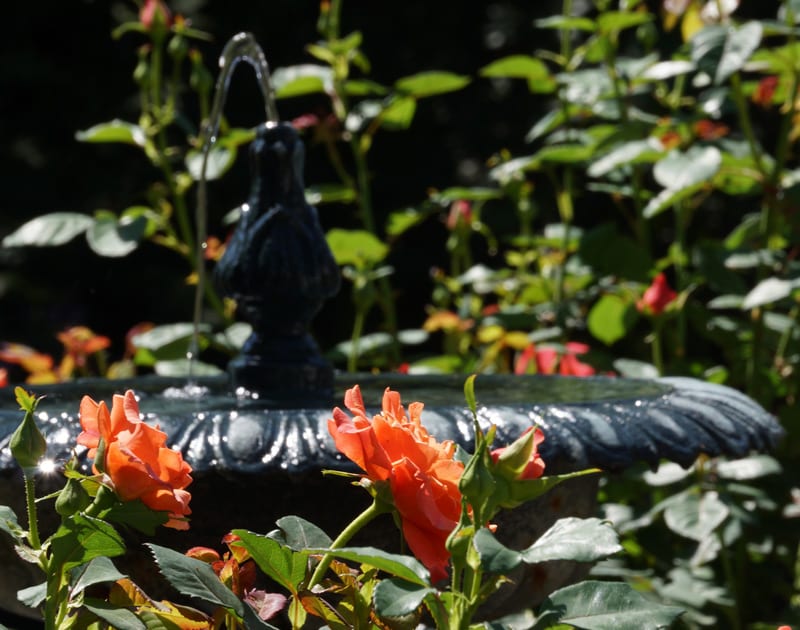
x: 421, y: 472
x: 138, y: 462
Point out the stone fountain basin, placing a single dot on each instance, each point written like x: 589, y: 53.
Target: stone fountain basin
x: 256, y: 460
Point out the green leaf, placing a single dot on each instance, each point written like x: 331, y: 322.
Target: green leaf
x: 33, y: 596
x: 564, y: 153
x: 722, y: 50
x: 114, y: 238
x: 667, y: 69
x: 425, y: 84
x: 302, y: 79
x: 631, y: 368
x: 367, y: 345
x: 596, y: 605
x: 550, y: 121
x: 398, y: 114
x: 281, y: 563
x: 160, y: 337
x: 441, y: 364
x: 356, y: 247
x: 404, y: 567
x: 681, y: 169
x: 81, y: 538
x: 469, y: 393
x: 402, y: 220
x: 194, y: 578
x: 96, y: 571
x: 667, y: 474
x: 394, y: 597
x: 610, y: 21
x: 185, y: 367
x: 694, y: 516
x: 330, y: 193
x: 611, y: 318
x: 495, y: 557
x: 577, y: 539
x: 768, y: 291
x: 522, y: 67
x: 9, y: 524
x: 561, y: 22
x: 529, y: 489
x: 668, y: 197
x: 753, y: 467
x: 624, y: 154
x: 137, y: 515
x: 220, y: 160
x: 118, y: 618
x: 234, y: 336
x: 460, y: 193
x: 364, y: 87
x: 49, y: 230
x: 114, y: 131
x: 299, y: 534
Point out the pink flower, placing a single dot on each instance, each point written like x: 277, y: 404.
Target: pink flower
x: 764, y: 91
x: 657, y: 297
x: 460, y: 214
x: 550, y: 361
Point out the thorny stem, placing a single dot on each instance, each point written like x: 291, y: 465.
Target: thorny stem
x: 655, y: 348
x: 178, y: 198
x: 727, y: 567
x: 640, y: 225
x: 30, y: 499
x: 358, y: 329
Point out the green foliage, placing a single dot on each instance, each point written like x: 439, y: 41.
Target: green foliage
x: 81, y: 538
x: 605, y: 606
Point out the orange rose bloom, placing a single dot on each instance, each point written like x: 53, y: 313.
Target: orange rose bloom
x: 421, y: 472
x: 137, y: 460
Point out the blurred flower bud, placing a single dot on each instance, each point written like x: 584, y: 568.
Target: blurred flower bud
x: 156, y: 18
x: 657, y: 297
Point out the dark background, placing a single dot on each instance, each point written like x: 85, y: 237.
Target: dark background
x: 60, y: 72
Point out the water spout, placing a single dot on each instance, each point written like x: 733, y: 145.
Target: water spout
x: 241, y: 47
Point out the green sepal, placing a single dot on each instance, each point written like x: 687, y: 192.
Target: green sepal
x: 516, y: 456
x: 525, y: 490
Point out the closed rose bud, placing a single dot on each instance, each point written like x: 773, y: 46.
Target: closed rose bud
x: 27, y: 443
x: 657, y: 297
x: 72, y: 498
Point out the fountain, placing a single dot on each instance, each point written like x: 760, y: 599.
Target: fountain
x: 258, y: 441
